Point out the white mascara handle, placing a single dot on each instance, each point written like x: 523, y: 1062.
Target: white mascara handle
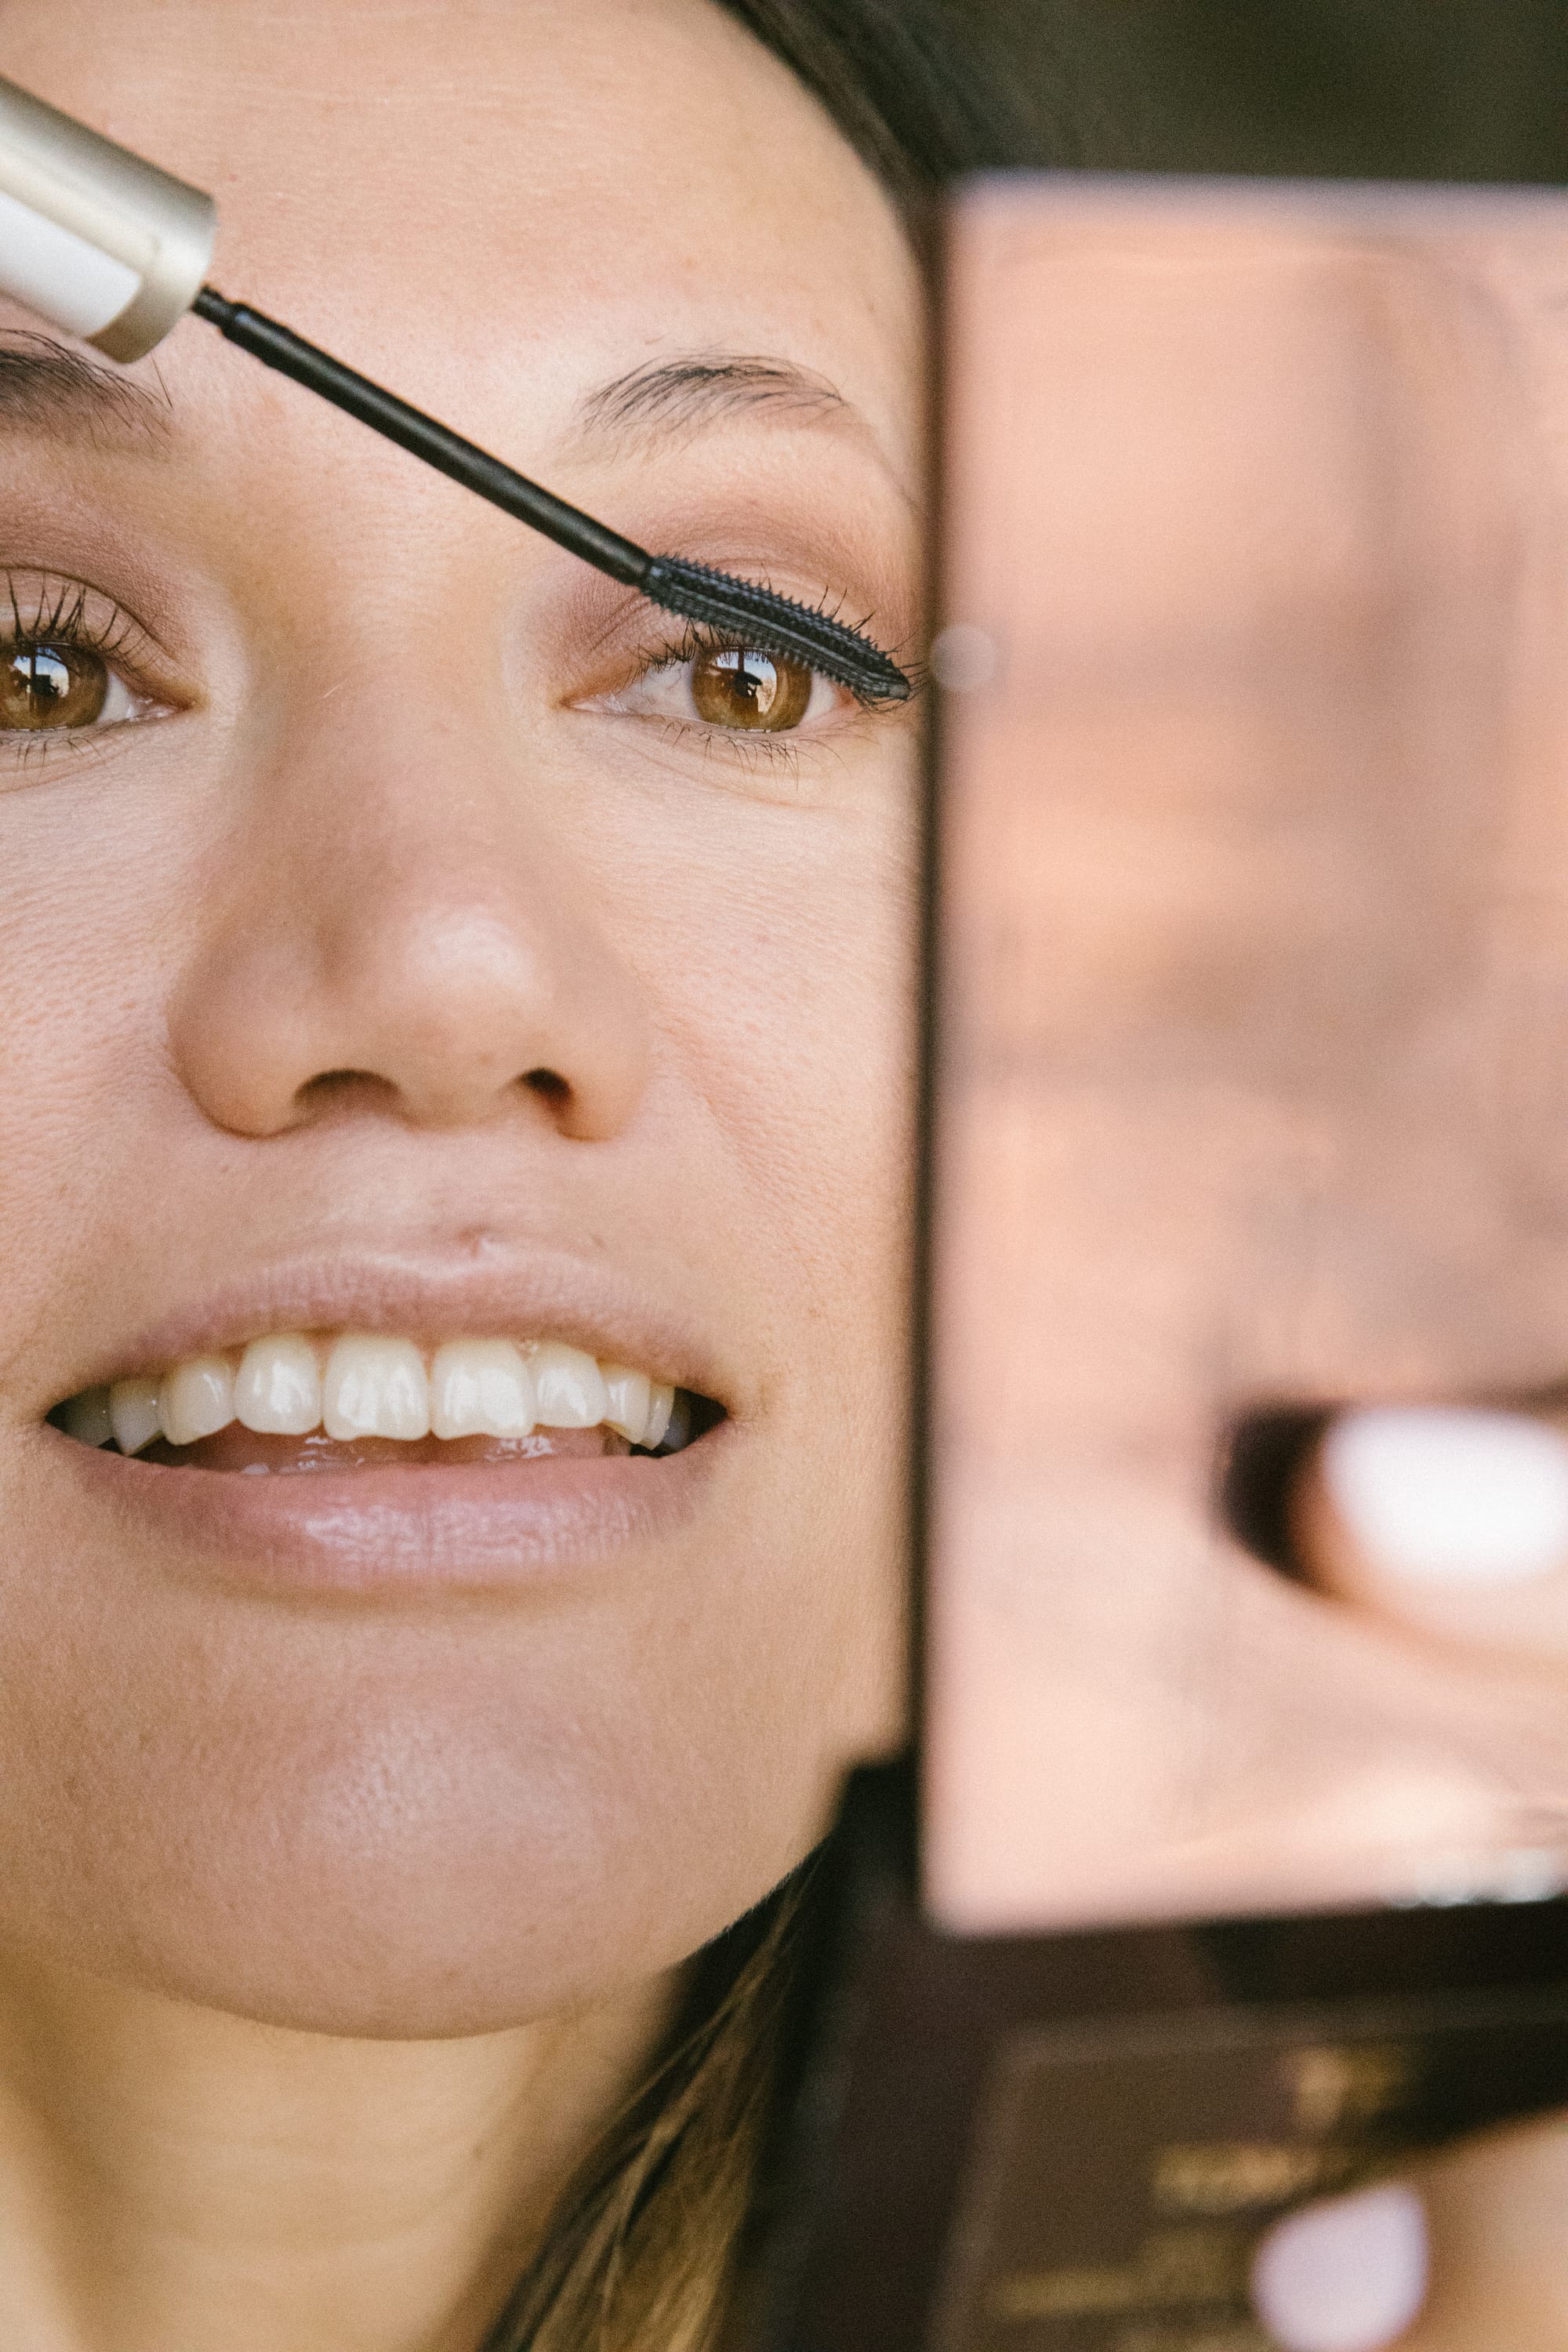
x: 98, y: 242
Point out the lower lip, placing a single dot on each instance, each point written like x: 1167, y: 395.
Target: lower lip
x: 394, y: 1531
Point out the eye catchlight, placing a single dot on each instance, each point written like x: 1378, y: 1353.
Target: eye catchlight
x: 109, y: 249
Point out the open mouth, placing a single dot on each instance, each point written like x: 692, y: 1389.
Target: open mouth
x: 295, y: 1401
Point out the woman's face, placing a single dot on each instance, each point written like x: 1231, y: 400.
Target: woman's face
x: 408, y: 944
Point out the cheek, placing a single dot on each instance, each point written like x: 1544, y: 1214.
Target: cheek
x: 795, y: 1016
x: 87, y: 903
x: 811, y: 1030
x: 779, y: 948
x: 776, y: 945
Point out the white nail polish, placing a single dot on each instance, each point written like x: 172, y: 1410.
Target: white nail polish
x: 1346, y: 2277
x: 1447, y: 1496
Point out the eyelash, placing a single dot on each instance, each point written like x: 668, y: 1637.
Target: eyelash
x: 65, y: 622
x: 753, y: 747
x: 61, y: 616
x: 704, y: 638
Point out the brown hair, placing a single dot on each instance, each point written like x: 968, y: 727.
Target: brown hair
x: 646, y: 2250
x: 907, y: 83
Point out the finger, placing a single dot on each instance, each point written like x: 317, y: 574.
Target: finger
x: 1470, y: 2254
x: 1348, y: 2275
x: 1497, y: 2208
x: 1451, y: 1520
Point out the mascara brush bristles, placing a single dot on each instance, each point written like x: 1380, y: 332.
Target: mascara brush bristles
x: 776, y: 624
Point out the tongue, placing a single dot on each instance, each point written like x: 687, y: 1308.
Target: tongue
x: 238, y: 1448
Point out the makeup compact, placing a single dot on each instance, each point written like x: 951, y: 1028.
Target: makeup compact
x: 106, y: 246
x: 1220, y: 1885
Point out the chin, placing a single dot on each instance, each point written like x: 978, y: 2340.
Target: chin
x: 411, y: 1872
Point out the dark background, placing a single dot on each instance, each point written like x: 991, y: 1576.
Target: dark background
x: 1443, y: 89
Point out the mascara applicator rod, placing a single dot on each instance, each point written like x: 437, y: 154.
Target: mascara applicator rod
x: 280, y: 348
x: 107, y: 247
x: 772, y: 623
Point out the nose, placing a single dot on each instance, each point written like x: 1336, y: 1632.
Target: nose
x: 396, y: 932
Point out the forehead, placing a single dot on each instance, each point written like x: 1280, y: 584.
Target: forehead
x: 543, y: 192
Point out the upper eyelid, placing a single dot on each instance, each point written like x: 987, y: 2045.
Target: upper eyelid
x: 794, y: 576
x: 38, y: 604
x: 674, y: 653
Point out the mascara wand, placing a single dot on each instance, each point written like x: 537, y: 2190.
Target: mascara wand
x: 108, y: 247
x: 773, y: 624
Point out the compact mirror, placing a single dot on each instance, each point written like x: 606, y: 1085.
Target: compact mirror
x: 1243, y: 1817
x: 1250, y: 1053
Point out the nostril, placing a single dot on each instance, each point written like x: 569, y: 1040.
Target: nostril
x: 548, y: 1084
x: 328, y: 1084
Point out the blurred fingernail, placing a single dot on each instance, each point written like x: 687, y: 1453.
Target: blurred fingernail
x: 1450, y: 1497
x: 1347, y: 2277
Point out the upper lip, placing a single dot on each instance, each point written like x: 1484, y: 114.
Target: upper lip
x: 427, y: 1298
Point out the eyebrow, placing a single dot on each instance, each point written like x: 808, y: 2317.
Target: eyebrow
x: 48, y: 387
x: 667, y: 397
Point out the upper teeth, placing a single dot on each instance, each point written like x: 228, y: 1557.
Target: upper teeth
x: 365, y: 1385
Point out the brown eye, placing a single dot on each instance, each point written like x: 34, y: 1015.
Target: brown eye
x: 735, y: 685
x: 54, y: 687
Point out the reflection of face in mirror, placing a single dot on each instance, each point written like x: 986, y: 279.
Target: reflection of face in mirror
x: 1253, y: 1061
x: 448, y: 1010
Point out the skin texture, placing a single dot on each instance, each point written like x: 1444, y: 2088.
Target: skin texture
x: 360, y: 1909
